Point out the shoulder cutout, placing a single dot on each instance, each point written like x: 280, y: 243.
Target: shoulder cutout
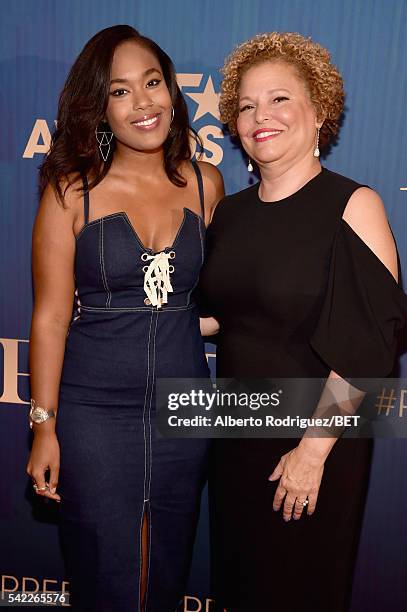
x: 366, y: 215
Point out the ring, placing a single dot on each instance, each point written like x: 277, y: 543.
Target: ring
x: 37, y: 488
x: 303, y: 503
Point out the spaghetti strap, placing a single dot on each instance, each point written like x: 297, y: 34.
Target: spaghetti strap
x: 85, y: 198
x: 200, y: 187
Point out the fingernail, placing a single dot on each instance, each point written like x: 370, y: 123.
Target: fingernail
x: 53, y: 490
x: 275, y: 509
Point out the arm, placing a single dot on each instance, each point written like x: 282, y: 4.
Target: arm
x: 214, y: 191
x: 365, y: 214
x: 53, y: 252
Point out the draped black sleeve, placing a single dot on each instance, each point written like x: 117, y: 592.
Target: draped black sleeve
x: 363, y: 313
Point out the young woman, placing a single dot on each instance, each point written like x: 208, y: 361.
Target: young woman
x: 121, y: 225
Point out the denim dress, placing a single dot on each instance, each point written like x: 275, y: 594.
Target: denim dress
x: 134, y: 320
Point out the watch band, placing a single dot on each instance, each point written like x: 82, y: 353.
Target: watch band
x: 39, y: 414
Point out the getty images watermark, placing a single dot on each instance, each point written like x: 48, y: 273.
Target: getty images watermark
x: 254, y: 401
x: 281, y: 408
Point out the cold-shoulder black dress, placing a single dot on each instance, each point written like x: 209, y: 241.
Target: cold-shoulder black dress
x: 297, y: 293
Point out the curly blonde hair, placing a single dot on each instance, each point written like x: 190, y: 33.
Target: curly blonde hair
x: 313, y: 65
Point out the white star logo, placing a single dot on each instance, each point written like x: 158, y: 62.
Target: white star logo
x: 207, y: 101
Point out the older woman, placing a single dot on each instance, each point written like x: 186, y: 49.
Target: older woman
x: 316, y: 296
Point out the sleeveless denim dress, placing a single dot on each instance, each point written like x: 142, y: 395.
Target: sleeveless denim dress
x: 135, y: 320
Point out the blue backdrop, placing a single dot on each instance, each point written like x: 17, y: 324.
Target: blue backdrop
x: 39, y: 40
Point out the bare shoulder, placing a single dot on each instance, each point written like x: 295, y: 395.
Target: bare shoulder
x: 366, y: 215
x: 213, y: 186
x: 71, y: 189
x: 53, y: 212
x: 210, y: 172
x: 365, y: 208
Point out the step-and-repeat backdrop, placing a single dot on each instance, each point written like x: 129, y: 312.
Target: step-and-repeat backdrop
x: 39, y: 39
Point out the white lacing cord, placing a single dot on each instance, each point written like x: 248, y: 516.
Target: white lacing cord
x: 157, y: 282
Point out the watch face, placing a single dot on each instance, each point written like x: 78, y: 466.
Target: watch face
x: 39, y: 415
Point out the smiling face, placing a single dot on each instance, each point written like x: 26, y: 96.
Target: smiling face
x: 277, y: 121
x: 139, y: 109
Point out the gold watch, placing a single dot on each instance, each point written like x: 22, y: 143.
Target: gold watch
x: 38, y: 414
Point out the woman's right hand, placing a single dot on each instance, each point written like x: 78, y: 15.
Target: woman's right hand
x: 45, y: 455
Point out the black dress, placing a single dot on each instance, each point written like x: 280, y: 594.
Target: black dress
x: 297, y: 293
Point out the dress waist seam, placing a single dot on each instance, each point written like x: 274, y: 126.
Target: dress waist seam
x: 137, y: 309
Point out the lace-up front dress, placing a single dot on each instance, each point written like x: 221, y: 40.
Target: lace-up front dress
x: 135, y: 320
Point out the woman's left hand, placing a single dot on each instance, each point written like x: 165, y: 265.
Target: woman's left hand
x: 300, y: 476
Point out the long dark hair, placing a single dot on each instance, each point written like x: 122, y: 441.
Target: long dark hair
x: 82, y: 105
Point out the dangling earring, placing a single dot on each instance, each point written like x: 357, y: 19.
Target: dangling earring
x: 104, y: 139
x: 249, y: 165
x: 316, y: 150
